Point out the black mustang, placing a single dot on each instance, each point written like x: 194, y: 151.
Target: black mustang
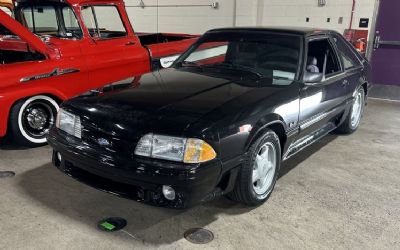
x: 219, y: 121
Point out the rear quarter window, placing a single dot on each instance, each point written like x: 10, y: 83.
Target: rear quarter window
x: 347, y: 54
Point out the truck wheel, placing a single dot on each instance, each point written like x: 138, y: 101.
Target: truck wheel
x: 31, y: 119
x: 353, y: 119
x: 258, y: 174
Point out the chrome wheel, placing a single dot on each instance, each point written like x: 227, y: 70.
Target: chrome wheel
x: 36, y: 116
x: 264, y: 169
x: 37, y: 119
x: 357, y: 108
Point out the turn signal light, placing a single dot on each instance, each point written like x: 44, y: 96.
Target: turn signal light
x: 198, y: 151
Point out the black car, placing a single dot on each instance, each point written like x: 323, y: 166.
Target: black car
x: 219, y: 122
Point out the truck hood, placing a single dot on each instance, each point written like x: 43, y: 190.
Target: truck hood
x: 168, y: 101
x: 24, y: 34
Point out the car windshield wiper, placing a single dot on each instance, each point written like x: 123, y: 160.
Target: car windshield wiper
x: 238, y: 67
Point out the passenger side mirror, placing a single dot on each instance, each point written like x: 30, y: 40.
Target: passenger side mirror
x: 313, y: 78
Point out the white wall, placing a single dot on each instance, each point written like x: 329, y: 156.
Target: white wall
x: 245, y: 13
x: 294, y: 13
x: 180, y: 19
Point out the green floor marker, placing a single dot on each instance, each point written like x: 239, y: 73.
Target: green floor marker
x: 111, y: 224
x: 107, y: 226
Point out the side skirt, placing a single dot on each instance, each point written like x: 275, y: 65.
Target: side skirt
x: 306, y: 141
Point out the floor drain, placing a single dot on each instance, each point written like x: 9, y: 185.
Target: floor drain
x: 111, y: 224
x: 6, y: 174
x: 199, y: 235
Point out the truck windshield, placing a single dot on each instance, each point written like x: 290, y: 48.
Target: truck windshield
x: 263, y: 54
x: 52, y: 20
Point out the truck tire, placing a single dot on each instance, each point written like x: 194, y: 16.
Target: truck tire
x: 353, y: 119
x: 31, y: 119
x: 258, y: 174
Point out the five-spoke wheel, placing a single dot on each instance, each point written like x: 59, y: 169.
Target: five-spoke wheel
x: 264, y: 168
x: 353, y: 119
x: 259, y: 171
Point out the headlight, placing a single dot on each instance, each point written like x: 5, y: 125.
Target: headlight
x: 69, y: 123
x: 187, y: 150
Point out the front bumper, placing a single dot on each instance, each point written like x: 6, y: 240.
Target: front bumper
x: 140, y: 179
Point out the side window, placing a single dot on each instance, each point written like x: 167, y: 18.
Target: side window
x: 41, y: 20
x: 103, y: 21
x: 322, y: 56
x: 71, y: 23
x: 350, y: 60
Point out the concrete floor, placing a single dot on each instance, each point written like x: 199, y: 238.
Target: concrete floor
x: 342, y: 193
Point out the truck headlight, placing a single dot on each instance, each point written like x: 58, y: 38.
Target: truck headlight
x: 187, y: 150
x: 69, y: 123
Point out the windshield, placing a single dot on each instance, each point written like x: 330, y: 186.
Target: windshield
x: 52, y: 20
x: 262, y: 54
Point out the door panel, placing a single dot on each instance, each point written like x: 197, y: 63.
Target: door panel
x: 386, y: 54
x: 320, y: 102
x: 113, y: 53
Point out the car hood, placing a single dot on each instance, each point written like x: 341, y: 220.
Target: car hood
x: 167, y: 101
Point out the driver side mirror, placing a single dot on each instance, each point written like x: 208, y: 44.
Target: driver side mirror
x: 313, y: 78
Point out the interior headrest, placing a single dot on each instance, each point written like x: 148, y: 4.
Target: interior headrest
x: 312, y: 60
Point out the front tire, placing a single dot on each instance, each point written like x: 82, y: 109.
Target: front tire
x: 353, y: 119
x: 258, y: 174
x: 31, y: 119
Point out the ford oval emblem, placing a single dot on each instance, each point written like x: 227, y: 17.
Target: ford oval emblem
x: 103, y: 142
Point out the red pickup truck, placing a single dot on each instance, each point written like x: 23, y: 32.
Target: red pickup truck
x: 55, y: 49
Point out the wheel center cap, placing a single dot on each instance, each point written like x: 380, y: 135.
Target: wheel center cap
x: 37, y: 119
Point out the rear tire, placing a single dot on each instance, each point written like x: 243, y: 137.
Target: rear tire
x: 31, y: 119
x: 259, y: 171
x: 353, y: 119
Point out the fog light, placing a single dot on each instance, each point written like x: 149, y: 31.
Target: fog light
x: 168, y: 192
x: 59, y: 157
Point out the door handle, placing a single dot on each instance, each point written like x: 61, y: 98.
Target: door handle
x: 130, y: 43
x: 345, y: 83
x: 377, y: 42
x: 393, y: 43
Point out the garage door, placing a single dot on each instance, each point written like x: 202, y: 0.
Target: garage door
x: 386, y: 55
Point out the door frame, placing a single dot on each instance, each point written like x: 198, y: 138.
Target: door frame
x: 372, y: 33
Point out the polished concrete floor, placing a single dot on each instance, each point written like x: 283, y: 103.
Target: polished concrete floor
x: 341, y: 193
